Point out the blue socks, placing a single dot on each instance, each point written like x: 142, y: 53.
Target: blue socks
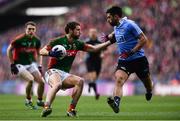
x: 117, y: 100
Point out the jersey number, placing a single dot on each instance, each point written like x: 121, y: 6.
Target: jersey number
x: 121, y: 39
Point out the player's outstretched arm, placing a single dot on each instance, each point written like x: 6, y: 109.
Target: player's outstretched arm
x: 14, y: 69
x: 95, y: 48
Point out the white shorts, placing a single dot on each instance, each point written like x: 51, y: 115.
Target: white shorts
x: 31, y: 68
x: 63, y: 75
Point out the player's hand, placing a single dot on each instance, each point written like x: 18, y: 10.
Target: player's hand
x: 125, y: 55
x: 40, y: 69
x: 56, y: 54
x: 14, y: 69
x: 105, y: 38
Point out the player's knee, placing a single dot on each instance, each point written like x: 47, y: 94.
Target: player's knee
x: 41, y: 83
x: 40, y: 80
x: 30, y: 78
x: 30, y: 82
x: 57, y: 86
x: 120, y: 81
x: 80, y: 82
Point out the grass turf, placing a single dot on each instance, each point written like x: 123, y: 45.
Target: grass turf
x: 132, y: 108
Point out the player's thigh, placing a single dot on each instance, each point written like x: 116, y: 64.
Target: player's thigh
x: 24, y: 73
x: 54, y: 79
x: 121, y: 76
x: 147, y: 80
x: 72, y: 80
x: 143, y: 69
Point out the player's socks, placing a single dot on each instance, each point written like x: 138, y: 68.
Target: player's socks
x: 113, y: 105
x: 29, y: 104
x: 94, y: 86
x: 117, y: 100
x: 72, y: 105
x: 71, y: 112
x: 40, y: 102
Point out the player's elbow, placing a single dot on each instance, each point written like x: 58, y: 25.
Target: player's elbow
x: 144, y: 41
x: 9, y: 49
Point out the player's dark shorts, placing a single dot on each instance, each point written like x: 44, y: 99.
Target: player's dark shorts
x: 93, y: 66
x: 140, y: 66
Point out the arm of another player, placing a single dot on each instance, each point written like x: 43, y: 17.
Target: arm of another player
x: 40, y: 63
x: 9, y: 53
x: 14, y: 69
x: 95, y: 48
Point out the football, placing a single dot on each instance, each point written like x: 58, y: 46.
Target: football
x: 60, y: 48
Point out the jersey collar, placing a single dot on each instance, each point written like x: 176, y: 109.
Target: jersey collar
x: 121, y: 21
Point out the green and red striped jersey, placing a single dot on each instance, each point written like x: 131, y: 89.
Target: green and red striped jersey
x: 25, y: 49
x: 71, y: 49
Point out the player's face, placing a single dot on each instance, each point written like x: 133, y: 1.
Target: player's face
x: 93, y: 34
x: 30, y: 30
x: 111, y: 19
x: 76, y: 32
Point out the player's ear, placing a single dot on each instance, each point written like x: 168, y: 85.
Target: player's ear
x: 116, y: 16
x: 70, y: 31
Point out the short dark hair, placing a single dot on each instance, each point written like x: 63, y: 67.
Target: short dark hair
x: 115, y: 10
x: 30, y: 23
x: 71, y: 25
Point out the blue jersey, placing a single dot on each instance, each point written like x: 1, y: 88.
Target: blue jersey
x: 126, y: 34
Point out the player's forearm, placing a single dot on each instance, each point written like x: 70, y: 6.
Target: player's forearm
x: 142, y: 41
x: 101, y: 46
x: 40, y: 60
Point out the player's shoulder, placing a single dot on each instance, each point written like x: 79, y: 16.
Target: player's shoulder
x: 36, y: 37
x: 20, y: 36
x: 131, y: 22
x: 58, y: 40
x: 79, y: 41
x: 62, y: 37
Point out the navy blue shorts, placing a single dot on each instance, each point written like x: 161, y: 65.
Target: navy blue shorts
x: 140, y: 66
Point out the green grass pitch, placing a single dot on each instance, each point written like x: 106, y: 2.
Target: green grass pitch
x: 132, y: 108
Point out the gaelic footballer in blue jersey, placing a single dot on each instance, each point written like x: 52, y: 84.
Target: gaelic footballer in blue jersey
x: 129, y: 39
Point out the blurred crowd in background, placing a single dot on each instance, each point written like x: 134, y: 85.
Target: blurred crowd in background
x: 159, y: 19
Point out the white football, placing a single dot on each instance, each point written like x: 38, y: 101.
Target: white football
x: 60, y: 48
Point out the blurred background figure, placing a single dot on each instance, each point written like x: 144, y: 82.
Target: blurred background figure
x: 23, y: 53
x: 93, y: 62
